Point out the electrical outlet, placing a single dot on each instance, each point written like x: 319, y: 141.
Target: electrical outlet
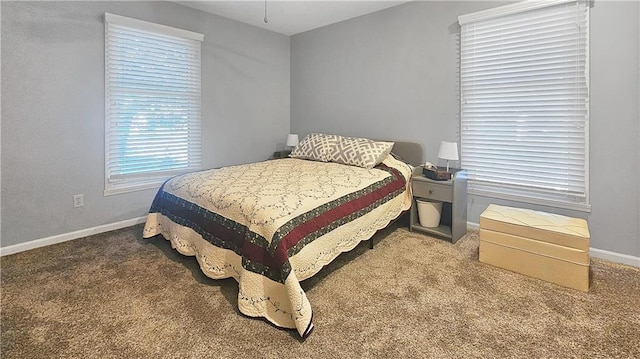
x: 78, y: 200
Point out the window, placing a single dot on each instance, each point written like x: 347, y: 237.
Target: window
x: 152, y: 105
x: 525, y: 102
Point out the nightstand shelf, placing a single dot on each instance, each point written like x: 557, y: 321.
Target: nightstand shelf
x: 442, y: 230
x: 452, y: 194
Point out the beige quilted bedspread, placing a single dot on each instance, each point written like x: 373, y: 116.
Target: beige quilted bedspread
x: 273, y: 224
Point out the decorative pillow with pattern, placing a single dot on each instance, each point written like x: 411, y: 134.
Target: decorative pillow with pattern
x: 359, y: 152
x: 315, y: 146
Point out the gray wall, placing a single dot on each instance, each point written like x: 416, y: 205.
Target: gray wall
x: 394, y: 74
x: 53, y: 108
x: 391, y: 74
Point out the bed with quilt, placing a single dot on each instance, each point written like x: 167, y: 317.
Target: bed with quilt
x: 272, y: 224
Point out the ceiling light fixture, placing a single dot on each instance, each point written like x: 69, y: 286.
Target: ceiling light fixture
x: 266, y: 21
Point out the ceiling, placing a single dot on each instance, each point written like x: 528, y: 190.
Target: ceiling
x: 291, y: 17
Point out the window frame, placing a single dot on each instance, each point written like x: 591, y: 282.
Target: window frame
x: 553, y: 198
x: 124, y: 183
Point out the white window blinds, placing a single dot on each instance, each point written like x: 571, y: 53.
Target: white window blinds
x: 525, y: 102
x: 152, y: 86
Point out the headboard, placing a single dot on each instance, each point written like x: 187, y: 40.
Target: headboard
x: 411, y: 152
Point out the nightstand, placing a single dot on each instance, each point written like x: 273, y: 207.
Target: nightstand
x: 280, y: 154
x: 452, y: 194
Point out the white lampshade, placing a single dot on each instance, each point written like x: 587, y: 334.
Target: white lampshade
x: 292, y: 140
x: 448, y: 151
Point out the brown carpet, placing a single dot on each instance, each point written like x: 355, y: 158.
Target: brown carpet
x: 118, y: 295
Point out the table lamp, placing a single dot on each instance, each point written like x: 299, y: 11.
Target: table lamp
x: 292, y: 140
x: 448, y: 151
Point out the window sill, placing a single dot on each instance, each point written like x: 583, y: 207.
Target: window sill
x: 122, y: 189
x: 580, y: 207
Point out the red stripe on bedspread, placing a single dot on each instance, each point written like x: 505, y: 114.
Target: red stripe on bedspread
x: 281, y: 254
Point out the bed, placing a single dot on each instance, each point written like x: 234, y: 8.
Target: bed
x: 272, y: 224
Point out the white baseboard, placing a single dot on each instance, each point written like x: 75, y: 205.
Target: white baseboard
x: 16, y: 248
x: 615, y: 257
x: 20, y: 247
x: 593, y: 252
